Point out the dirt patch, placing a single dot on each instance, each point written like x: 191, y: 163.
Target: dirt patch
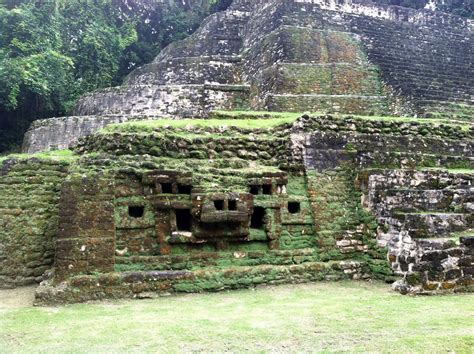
x: 17, y: 298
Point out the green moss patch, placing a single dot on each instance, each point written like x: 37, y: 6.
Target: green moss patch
x: 465, y: 126
x: 241, y: 120
x: 57, y: 155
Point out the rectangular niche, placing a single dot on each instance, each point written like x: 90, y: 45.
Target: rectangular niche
x: 257, y: 220
x: 294, y: 207
x: 184, y: 189
x: 267, y: 189
x: 255, y: 190
x: 219, y: 204
x: 184, y: 220
x: 232, y: 205
x: 166, y: 188
x: 136, y: 212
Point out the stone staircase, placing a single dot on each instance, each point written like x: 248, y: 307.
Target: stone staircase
x: 441, y: 109
x: 423, y: 214
x: 288, y: 55
x: 421, y: 62
x: 425, y: 211
x: 188, y: 78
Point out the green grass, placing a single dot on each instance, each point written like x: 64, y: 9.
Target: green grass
x: 58, y: 155
x: 320, y: 317
x: 257, y: 120
x: 466, y: 233
x: 247, y: 123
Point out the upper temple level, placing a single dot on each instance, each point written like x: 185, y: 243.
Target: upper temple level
x: 304, y: 55
x: 295, y: 56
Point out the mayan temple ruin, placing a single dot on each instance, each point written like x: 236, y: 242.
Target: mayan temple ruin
x: 284, y: 141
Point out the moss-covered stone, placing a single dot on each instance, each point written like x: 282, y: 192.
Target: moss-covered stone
x: 158, y: 207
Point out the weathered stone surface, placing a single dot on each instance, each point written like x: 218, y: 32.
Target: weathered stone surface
x: 421, y: 227
x: 29, y: 194
x: 148, y: 211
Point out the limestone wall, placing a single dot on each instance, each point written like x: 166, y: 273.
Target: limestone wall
x: 247, y: 144
x: 224, y: 70
x: 164, y: 100
x: 424, y: 215
x: 61, y: 133
x: 86, y: 234
x: 164, y: 208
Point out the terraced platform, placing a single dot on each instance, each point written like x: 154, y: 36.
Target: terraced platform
x: 247, y: 198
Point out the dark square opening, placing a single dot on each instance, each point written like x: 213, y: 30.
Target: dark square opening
x: 136, y: 211
x: 254, y: 190
x: 294, y: 207
x: 232, y: 205
x: 256, y: 222
x: 219, y: 204
x: 184, y: 189
x: 267, y: 189
x: 184, y: 219
x: 166, y: 188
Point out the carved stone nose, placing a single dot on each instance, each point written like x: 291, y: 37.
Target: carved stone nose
x: 227, y: 208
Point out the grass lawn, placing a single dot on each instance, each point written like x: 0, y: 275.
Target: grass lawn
x: 328, y: 317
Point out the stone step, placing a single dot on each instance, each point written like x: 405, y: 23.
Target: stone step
x: 164, y: 100
x: 219, y: 34
x: 353, y: 104
x: 432, y: 244
x: 431, y: 79
x: 409, y: 143
x: 407, y: 160
x: 189, y: 71
x: 418, y: 179
x: 413, y: 200
x: 432, y: 225
x: 210, y: 259
x: 448, y: 107
x: 432, y: 67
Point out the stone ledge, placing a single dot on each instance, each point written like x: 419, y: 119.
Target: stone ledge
x: 159, y: 283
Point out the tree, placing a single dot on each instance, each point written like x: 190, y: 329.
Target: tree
x: 51, y: 53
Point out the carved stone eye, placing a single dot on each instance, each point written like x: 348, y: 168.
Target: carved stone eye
x: 136, y: 211
x: 294, y: 207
